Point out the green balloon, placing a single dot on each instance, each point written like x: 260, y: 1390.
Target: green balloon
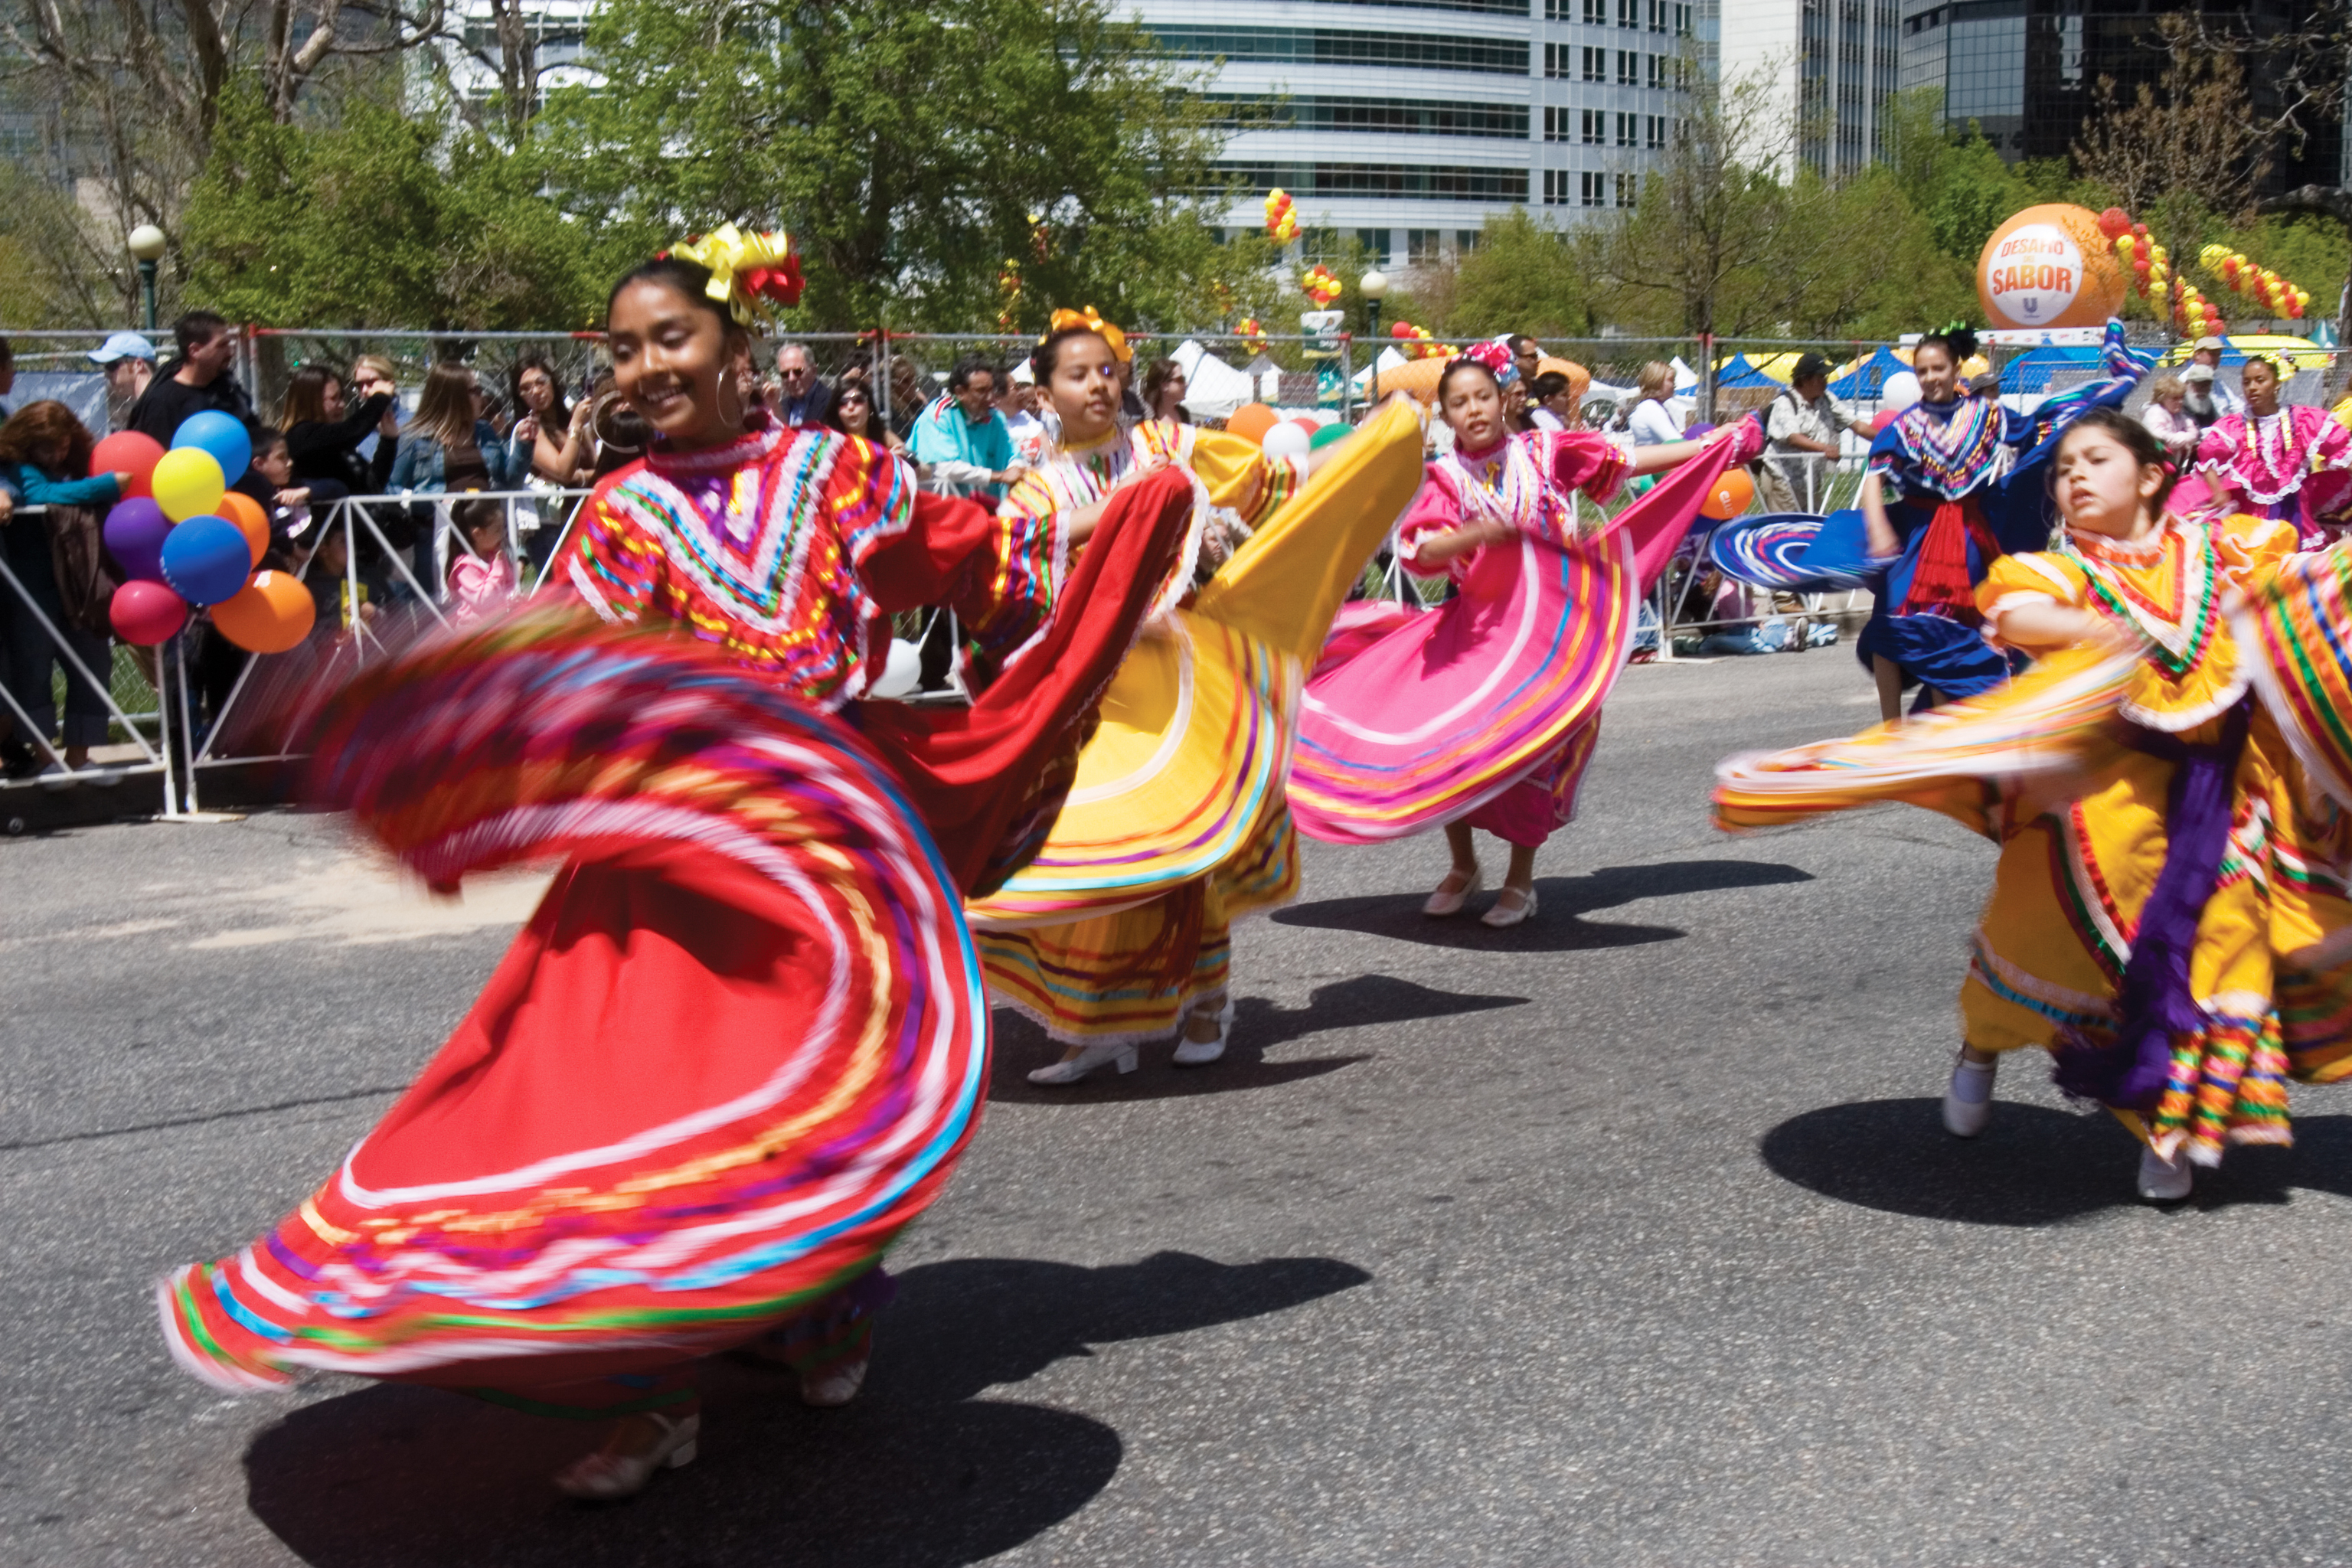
x: 1327, y: 434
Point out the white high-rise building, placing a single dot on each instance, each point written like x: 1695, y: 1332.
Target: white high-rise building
x: 1830, y: 66
x: 1406, y: 123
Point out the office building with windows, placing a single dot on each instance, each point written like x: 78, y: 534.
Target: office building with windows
x: 2026, y: 72
x: 1406, y: 123
x: 1829, y: 65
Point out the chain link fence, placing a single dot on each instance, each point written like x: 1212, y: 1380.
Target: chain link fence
x: 395, y: 550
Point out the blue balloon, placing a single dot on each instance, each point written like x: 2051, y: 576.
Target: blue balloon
x: 222, y: 434
x: 207, y: 559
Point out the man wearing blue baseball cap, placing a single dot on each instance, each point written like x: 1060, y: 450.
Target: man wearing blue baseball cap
x: 129, y: 362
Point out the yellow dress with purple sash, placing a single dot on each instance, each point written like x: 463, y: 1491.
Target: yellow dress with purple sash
x: 2080, y: 810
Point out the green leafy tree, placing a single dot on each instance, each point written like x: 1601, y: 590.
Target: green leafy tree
x: 907, y: 148
x: 383, y: 218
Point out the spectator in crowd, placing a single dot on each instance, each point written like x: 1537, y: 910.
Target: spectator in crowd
x: 1551, y: 402
x: 2208, y: 353
x: 7, y: 373
x: 550, y: 440
x: 196, y: 379
x: 1802, y: 427
x: 289, y: 502
x: 912, y: 394
x: 45, y: 461
x: 1650, y: 420
x: 1528, y: 354
x: 127, y: 362
x: 963, y: 441
x: 853, y: 415
x: 549, y: 450
x: 1130, y: 403
x: 2201, y: 396
x: 482, y: 572
x: 2166, y: 417
x: 447, y: 449
x: 1163, y: 392
x: 324, y: 432
x: 1031, y: 438
x: 805, y: 397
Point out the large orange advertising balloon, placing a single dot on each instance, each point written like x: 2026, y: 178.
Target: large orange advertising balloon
x: 2049, y: 265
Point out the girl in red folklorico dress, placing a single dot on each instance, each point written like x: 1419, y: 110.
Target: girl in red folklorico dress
x: 744, y: 1038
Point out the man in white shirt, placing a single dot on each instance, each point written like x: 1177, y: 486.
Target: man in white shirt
x: 1802, y: 427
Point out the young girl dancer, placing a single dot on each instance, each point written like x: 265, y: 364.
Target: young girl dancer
x: 743, y: 1041
x: 2168, y: 917
x: 1121, y: 931
x: 1484, y: 712
x: 2287, y: 462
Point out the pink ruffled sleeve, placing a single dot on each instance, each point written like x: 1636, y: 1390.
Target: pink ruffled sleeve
x: 1435, y: 508
x: 1581, y: 460
x: 2331, y: 443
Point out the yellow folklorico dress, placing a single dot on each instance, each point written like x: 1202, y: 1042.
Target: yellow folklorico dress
x: 1176, y: 826
x: 2067, y: 768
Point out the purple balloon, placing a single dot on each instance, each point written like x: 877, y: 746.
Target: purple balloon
x: 135, y: 531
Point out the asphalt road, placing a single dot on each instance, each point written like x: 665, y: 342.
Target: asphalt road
x: 1630, y: 1236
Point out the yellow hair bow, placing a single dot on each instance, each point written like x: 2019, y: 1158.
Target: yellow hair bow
x: 1092, y: 323
x: 746, y: 269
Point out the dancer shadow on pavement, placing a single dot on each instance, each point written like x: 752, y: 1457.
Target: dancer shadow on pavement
x: 1258, y: 1025
x: 1560, y: 925
x: 2032, y: 1165
x: 919, y: 1472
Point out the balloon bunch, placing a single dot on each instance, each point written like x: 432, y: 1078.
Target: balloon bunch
x: 183, y: 537
x: 1416, y: 343
x: 1322, y: 286
x: 2199, y: 317
x: 1250, y: 330
x: 1281, y: 215
x: 2151, y: 266
x: 2281, y: 297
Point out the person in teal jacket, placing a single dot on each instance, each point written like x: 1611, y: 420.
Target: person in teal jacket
x: 963, y: 441
x: 45, y: 461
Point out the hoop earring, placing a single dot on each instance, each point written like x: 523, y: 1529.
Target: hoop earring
x: 726, y: 385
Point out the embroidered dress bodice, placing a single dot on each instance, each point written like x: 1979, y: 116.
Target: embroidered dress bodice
x: 2168, y: 588
x: 1527, y: 481
x: 754, y: 545
x: 1948, y: 450
x: 2269, y: 455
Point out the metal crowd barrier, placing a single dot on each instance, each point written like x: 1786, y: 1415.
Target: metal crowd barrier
x: 153, y: 756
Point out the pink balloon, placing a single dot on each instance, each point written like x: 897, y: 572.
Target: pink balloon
x: 146, y: 612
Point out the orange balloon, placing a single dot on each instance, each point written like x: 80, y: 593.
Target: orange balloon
x: 1732, y: 492
x: 2050, y: 266
x: 269, y: 615
x: 251, y: 520
x: 1251, y: 421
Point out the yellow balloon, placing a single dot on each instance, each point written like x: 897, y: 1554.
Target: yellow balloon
x: 188, y: 483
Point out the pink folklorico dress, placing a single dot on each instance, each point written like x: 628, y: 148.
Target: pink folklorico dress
x: 2291, y: 464
x: 1485, y: 709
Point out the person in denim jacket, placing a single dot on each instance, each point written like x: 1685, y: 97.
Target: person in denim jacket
x: 449, y: 448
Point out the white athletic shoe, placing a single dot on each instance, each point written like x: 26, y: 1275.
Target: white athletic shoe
x: 2163, y: 1180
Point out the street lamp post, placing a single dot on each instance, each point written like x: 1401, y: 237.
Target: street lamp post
x: 147, y: 244
x: 1374, y: 286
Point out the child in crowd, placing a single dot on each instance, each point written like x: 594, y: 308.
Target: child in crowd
x: 481, y: 577
x: 290, y: 505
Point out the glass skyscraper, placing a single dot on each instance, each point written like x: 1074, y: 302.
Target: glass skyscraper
x: 2027, y: 71
x: 1405, y: 123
